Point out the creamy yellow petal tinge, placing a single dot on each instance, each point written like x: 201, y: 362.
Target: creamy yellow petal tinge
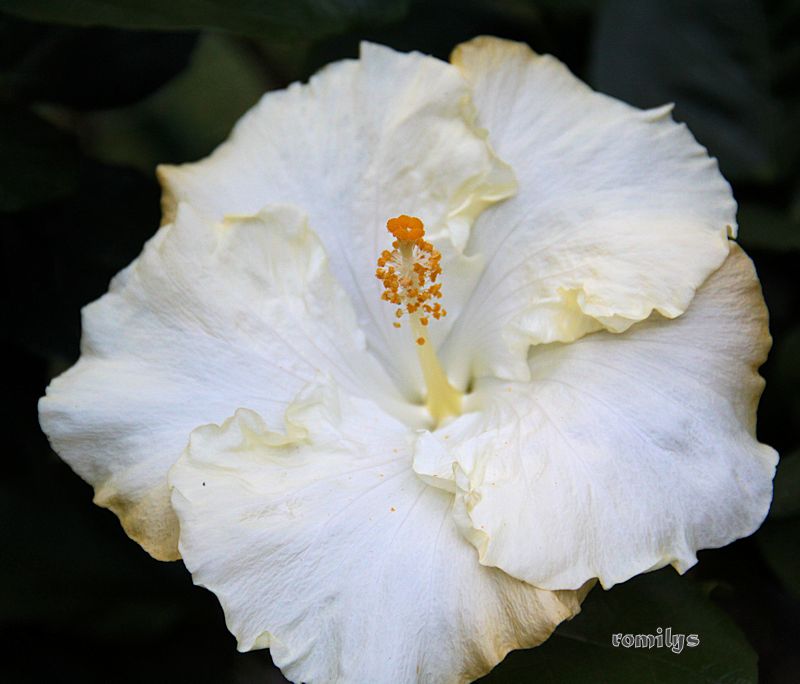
x: 620, y: 212
x: 328, y: 549
x: 210, y: 318
x: 624, y: 452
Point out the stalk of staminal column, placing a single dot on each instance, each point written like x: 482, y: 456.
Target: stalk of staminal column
x: 409, y: 274
x: 442, y: 399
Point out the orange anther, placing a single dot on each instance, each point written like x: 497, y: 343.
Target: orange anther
x: 420, y: 341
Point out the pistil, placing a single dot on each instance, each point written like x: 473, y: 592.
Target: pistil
x: 409, y: 273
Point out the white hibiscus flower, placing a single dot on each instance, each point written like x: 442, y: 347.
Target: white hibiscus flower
x: 378, y: 504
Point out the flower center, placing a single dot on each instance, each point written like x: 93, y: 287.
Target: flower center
x: 409, y: 272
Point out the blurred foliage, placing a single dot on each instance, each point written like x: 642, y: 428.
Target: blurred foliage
x: 713, y: 63
x: 170, y: 125
x: 581, y: 649
x: 277, y: 19
x: 37, y: 161
x: 51, y: 64
x: 89, y: 106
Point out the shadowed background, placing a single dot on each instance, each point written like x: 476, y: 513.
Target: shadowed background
x: 95, y: 93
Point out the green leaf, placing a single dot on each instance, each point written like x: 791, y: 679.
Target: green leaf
x: 276, y: 19
x: 97, y: 575
x: 188, y: 117
x: 786, y: 497
x: 62, y: 256
x: 562, y: 5
x: 18, y: 38
x: 764, y: 227
x: 779, y: 541
x: 582, y: 651
x: 88, y: 68
x: 710, y: 58
x: 38, y: 163
x: 785, y: 378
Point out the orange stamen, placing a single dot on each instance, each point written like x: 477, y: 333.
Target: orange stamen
x: 410, y: 270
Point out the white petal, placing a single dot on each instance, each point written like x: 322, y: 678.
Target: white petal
x: 624, y: 452
x: 331, y: 552
x: 209, y: 318
x: 364, y: 141
x: 619, y: 212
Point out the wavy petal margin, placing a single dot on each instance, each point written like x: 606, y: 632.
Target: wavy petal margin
x: 329, y: 550
x: 211, y: 317
x: 625, y: 452
x: 620, y: 213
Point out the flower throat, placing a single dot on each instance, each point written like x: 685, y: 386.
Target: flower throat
x: 409, y: 273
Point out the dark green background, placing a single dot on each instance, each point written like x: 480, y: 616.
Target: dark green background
x: 94, y: 93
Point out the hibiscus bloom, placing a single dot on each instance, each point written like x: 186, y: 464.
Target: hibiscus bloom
x: 552, y: 381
